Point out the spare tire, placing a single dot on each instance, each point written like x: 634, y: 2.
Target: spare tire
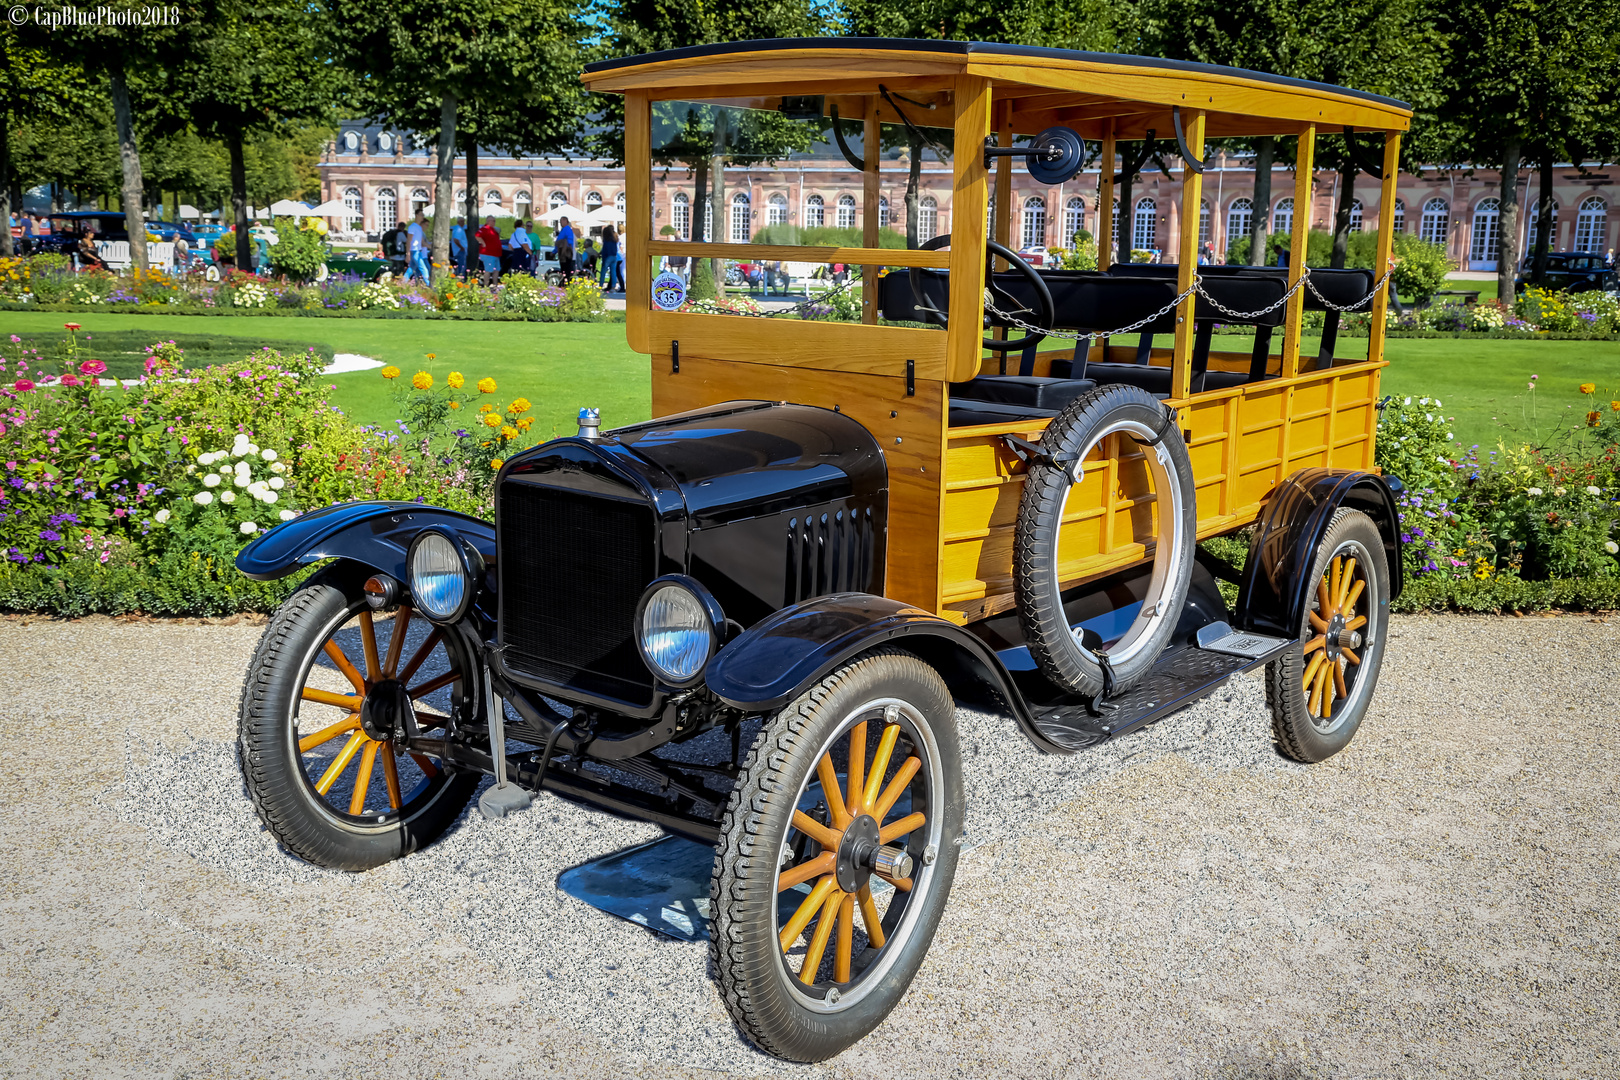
x: 1063, y: 656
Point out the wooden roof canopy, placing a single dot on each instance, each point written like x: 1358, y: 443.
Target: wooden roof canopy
x: 1082, y: 90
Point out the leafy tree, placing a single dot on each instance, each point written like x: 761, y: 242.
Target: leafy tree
x: 503, y: 74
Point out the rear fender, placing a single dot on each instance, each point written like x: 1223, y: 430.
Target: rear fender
x: 374, y: 534
x: 1274, y: 593
x: 787, y: 653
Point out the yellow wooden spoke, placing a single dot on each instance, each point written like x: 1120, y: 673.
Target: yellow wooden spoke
x: 1354, y: 595
x: 869, y: 916
x: 421, y: 655
x: 396, y: 641
x: 857, y: 768
x: 829, y: 791
x: 345, y: 665
x: 909, y: 823
x: 368, y: 641
x: 1350, y: 656
x: 1339, y: 689
x: 438, y: 682
x: 341, y: 762
x: 880, y: 765
x: 797, y: 875
x: 1345, y: 582
x: 1356, y: 623
x: 1310, y: 669
x: 1317, y: 705
x: 1315, y: 643
x: 807, y: 911
x: 1323, y: 607
x: 362, y: 783
x: 391, y: 775
x: 818, y: 940
x: 1333, y: 578
x: 425, y: 763
x: 896, y: 788
x: 815, y: 830
x: 327, y: 734
x: 326, y: 697
x: 1318, y: 624
x: 901, y: 883
x: 843, y: 954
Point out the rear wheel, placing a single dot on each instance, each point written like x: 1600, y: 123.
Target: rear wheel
x: 321, y: 724
x: 1319, y: 691
x: 836, y: 856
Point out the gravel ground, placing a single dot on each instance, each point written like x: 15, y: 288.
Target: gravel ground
x: 1437, y: 900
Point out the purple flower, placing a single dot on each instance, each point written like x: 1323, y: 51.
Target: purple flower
x: 50, y: 536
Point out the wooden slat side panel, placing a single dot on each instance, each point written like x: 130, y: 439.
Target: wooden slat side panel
x: 915, y: 461
x: 855, y: 256
x: 829, y: 346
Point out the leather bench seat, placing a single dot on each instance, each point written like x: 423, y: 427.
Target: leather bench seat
x: 1029, y: 391
x: 967, y: 413
x: 1155, y: 380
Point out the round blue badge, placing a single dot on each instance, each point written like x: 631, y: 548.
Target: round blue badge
x: 668, y: 291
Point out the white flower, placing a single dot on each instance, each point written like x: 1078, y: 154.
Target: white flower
x: 191, y: 470
x: 1437, y: 403
x: 161, y: 516
x: 1560, y: 492
x: 1443, y: 460
x: 1593, y: 489
x: 242, y: 479
x: 253, y: 448
x: 211, y: 480
x: 227, y: 496
x: 278, y: 467
x: 1608, y: 545
x: 1429, y: 417
x: 287, y: 515
x: 241, y: 438
x: 277, y: 483
x: 205, y: 459
x: 1409, y: 399
x: 1533, y: 491
x: 1449, y: 436
x: 270, y: 497
x: 1423, y: 401
x: 249, y: 528
x: 203, y: 498
x: 269, y: 455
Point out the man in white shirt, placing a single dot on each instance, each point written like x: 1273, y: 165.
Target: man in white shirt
x: 419, y: 250
x: 522, y: 242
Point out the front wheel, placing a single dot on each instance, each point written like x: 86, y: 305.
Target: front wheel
x: 320, y: 733
x: 836, y: 856
x: 1319, y: 691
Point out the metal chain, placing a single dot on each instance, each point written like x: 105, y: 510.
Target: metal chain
x: 1377, y: 285
x: 710, y: 307
x: 1075, y: 335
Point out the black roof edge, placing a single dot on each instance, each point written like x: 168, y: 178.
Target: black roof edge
x: 967, y: 48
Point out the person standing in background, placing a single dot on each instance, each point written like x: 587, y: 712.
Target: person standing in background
x: 458, y: 248
x: 612, y: 262
x: 565, y: 249
x: 523, y: 247
x: 417, y: 233
x: 489, y: 251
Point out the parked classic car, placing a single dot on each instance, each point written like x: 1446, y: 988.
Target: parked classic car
x: 751, y: 620
x: 1571, y: 271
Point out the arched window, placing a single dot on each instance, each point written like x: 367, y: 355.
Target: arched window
x: 1436, y: 221
x: 556, y: 199
x: 1591, y: 226
x: 492, y: 197
x: 1533, y: 230
x: 1145, y: 228
x: 1239, y: 221
x: 1116, y: 224
x: 1355, y: 215
x: 521, y: 203
x: 1484, y: 242
x: 387, y: 212
x: 618, y: 205
x: 883, y: 212
x: 680, y: 212
x: 351, y: 141
x: 927, y: 219
x: 1203, y: 226
x: 1074, y: 219
x: 815, y: 212
x: 708, y: 218
x: 846, y: 211
x: 1033, y: 233
x: 776, y: 209
x: 593, y: 201
x: 353, y: 208
x: 1399, y: 224
x: 1282, y: 218
x: 740, y: 213
x: 419, y: 199
x: 385, y: 141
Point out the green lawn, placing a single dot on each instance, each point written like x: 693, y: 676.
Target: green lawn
x: 563, y: 366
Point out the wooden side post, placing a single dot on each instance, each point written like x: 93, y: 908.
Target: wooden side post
x: 1001, y: 209
x: 1386, y: 243
x: 1304, y: 186
x: 1192, y: 197
x: 964, y: 340
x: 1105, y: 200
x: 871, y: 143
x: 638, y: 218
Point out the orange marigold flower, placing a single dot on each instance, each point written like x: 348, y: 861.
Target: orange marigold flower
x: 432, y: 356
x: 390, y: 372
x: 496, y: 463
x: 492, y: 420
x: 485, y: 407
x: 486, y: 386
x: 1588, y: 388
x: 509, y: 432
x: 526, y: 423
x: 1594, y: 418
x: 519, y: 405
x: 422, y: 381
x: 455, y: 404
x: 455, y: 380
x: 1614, y: 406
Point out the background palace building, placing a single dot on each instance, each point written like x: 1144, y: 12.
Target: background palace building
x: 383, y: 176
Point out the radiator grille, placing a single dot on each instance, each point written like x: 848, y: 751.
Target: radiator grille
x: 572, y: 569
x: 829, y: 552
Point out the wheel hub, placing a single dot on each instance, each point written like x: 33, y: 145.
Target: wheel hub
x: 383, y: 710
x: 856, y: 851
x: 1333, y: 636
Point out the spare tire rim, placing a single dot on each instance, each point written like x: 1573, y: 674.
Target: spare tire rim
x: 892, y: 794
x: 1167, y: 554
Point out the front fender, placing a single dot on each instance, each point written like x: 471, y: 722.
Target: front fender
x: 1273, y: 591
x: 376, y: 534
x: 780, y: 657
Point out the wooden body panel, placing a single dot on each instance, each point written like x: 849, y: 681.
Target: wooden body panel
x: 828, y: 346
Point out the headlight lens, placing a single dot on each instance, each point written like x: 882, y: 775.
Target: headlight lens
x: 438, y: 576
x: 677, y: 634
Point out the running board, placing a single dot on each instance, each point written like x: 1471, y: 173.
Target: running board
x: 1183, y: 675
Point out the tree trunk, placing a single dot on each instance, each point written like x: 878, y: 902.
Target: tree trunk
x: 717, y: 197
x: 1544, y: 215
x: 1507, y: 252
x: 1341, y: 220
x: 913, y: 183
x: 1260, y: 224
x: 444, y: 189
x: 471, y: 202
x: 239, y: 206
x: 1127, y: 216
x: 5, y: 186
x: 130, y: 157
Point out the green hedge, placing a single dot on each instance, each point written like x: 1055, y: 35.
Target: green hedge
x: 175, y: 584
x: 1502, y: 595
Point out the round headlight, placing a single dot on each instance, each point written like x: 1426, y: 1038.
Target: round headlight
x: 677, y: 629
x: 440, y: 582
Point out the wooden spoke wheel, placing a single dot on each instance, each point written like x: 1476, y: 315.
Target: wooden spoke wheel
x: 332, y: 693
x: 1319, y: 693
x: 836, y: 856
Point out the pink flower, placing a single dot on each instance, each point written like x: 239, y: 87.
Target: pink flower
x: 23, y: 386
x: 92, y: 367
x: 71, y: 380
x: 120, y: 512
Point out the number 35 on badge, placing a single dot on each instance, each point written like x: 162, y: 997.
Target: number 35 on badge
x: 668, y: 291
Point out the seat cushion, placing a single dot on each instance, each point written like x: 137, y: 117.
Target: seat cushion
x: 968, y: 413
x: 1030, y: 391
x: 1156, y: 380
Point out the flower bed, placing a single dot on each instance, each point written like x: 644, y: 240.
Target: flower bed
x: 1538, y: 315
x: 137, y: 499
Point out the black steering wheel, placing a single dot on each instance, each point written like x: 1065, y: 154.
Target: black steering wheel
x: 1045, y: 314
